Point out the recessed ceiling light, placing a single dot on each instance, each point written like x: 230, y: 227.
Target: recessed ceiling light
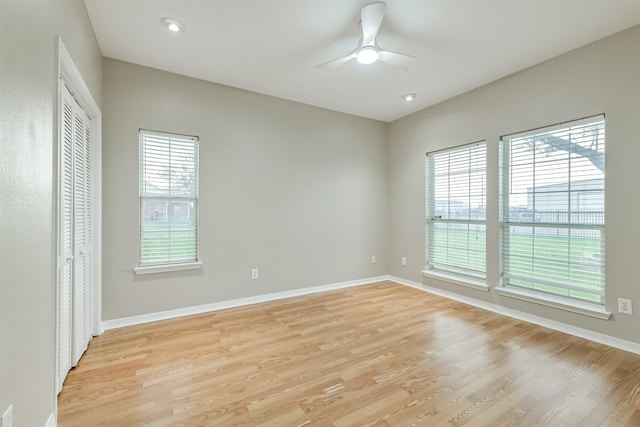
x: 367, y: 55
x: 409, y: 97
x: 172, y: 24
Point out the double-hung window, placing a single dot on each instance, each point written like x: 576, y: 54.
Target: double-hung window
x: 553, y: 210
x: 456, y: 211
x: 168, y: 199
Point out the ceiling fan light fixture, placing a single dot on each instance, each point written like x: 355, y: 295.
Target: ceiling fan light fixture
x: 367, y: 55
x: 409, y: 97
x: 172, y: 25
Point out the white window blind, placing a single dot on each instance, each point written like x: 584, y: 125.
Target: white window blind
x: 456, y: 210
x: 168, y: 198
x: 553, y: 212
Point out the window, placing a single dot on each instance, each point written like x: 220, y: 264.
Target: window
x: 456, y: 211
x: 552, y: 213
x: 168, y: 198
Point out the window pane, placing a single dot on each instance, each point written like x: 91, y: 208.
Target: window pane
x: 168, y: 194
x: 456, y: 210
x: 553, y: 211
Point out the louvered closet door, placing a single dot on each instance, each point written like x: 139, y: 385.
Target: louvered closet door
x: 75, y: 228
x: 65, y: 279
x: 88, y: 241
x: 81, y: 241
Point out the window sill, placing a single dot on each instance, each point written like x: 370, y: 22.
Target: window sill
x: 165, y: 268
x: 584, y: 308
x: 457, y: 280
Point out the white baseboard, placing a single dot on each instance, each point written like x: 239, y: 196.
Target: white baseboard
x: 547, y: 323
x: 187, y: 311
x: 541, y: 321
x: 51, y: 421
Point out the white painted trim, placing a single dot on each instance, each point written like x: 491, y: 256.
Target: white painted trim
x: 619, y: 343
x: 51, y: 421
x: 97, y: 228
x: 166, y: 268
x: 170, y: 314
x: 73, y: 77
x: 456, y: 280
x: 586, y: 309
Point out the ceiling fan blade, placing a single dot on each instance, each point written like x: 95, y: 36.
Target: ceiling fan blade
x: 398, y: 59
x: 371, y: 15
x: 337, y: 61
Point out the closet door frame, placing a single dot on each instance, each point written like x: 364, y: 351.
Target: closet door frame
x: 69, y: 75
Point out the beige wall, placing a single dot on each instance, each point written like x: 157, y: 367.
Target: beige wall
x: 603, y: 77
x: 28, y: 75
x: 295, y: 191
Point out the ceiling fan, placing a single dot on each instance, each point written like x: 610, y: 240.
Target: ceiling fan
x: 368, y: 50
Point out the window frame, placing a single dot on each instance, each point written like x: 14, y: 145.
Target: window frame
x: 168, y: 265
x: 456, y: 274
x: 532, y: 293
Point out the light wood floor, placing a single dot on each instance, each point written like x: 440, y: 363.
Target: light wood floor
x: 375, y: 355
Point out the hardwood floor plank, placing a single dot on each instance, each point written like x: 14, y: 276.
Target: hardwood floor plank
x: 375, y: 355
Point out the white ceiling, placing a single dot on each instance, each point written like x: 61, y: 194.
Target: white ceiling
x: 271, y: 46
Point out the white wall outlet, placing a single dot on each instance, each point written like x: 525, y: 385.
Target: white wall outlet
x: 625, y: 306
x: 255, y: 274
x: 404, y: 260
x: 373, y: 259
x: 7, y: 417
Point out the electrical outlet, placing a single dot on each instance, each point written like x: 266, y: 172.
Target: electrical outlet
x: 254, y: 274
x: 625, y: 306
x: 404, y: 260
x: 373, y: 259
x: 7, y: 417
